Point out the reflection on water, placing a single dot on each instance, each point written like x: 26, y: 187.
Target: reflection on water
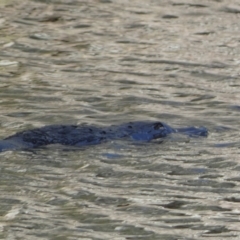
x: 107, y: 62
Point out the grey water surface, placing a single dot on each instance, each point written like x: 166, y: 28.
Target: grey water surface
x: 108, y: 62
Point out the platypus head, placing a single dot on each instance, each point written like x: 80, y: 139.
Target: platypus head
x: 151, y: 130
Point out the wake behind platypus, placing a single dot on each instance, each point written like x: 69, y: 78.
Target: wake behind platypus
x: 84, y: 135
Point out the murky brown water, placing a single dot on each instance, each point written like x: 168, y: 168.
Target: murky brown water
x: 112, y: 61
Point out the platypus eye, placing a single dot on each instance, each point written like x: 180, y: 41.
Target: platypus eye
x: 157, y: 125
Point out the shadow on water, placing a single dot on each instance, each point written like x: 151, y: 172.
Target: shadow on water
x: 107, y: 62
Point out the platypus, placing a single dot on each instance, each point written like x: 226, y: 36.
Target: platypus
x: 84, y: 135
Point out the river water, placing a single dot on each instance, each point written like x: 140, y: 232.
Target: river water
x: 112, y: 61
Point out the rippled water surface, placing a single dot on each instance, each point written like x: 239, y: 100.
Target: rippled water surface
x: 112, y: 61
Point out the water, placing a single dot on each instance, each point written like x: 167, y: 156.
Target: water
x: 111, y: 61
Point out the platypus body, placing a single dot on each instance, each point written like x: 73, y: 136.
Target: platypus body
x: 84, y: 135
